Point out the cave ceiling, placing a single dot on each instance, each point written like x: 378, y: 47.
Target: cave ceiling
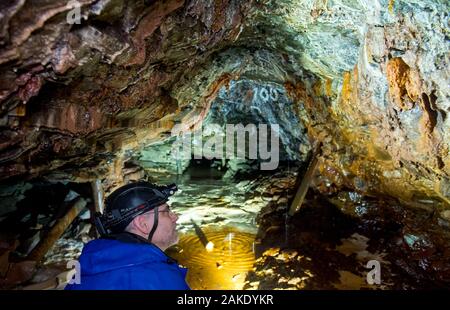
x: 367, y: 79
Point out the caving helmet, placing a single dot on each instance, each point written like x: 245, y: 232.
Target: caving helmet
x: 129, y: 201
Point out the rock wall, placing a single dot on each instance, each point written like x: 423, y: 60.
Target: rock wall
x: 368, y: 78
x: 390, y: 132
x: 76, y: 96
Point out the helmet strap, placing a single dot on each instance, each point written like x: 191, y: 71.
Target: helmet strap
x: 155, y: 224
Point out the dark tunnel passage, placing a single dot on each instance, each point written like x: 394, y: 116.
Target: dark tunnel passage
x: 308, y: 139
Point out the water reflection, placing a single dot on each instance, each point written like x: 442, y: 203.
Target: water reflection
x: 225, y: 266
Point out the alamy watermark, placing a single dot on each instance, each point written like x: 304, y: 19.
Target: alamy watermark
x: 74, y: 274
x: 235, y: 141
x: 374, y: 275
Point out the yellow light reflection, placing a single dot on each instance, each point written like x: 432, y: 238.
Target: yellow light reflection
x: 222, y: 265
x: 210, y: 246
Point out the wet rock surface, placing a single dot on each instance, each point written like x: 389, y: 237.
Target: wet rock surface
x: 330, y: 241
x: 250, y: 103
x: 216, y: 202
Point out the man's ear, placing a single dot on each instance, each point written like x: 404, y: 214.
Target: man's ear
x: 142, y: 223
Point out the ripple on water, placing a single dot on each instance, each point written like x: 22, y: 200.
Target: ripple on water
x: 225, y: 267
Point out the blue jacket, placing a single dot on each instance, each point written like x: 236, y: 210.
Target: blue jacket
x: 107, y: 264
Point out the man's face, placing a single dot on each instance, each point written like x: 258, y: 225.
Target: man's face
x: 166, y: 233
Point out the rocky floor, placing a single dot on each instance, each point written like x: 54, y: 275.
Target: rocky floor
x: 322, y: 247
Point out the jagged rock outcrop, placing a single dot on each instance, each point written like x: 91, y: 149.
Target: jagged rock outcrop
x: 77, y: 95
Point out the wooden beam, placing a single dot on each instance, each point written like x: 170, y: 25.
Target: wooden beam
x: 38, y: 253
x: 304, y: 185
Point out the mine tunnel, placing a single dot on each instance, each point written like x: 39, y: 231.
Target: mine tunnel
x: 308, y: 140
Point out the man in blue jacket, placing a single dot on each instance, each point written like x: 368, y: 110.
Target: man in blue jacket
x: 136, y: 228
